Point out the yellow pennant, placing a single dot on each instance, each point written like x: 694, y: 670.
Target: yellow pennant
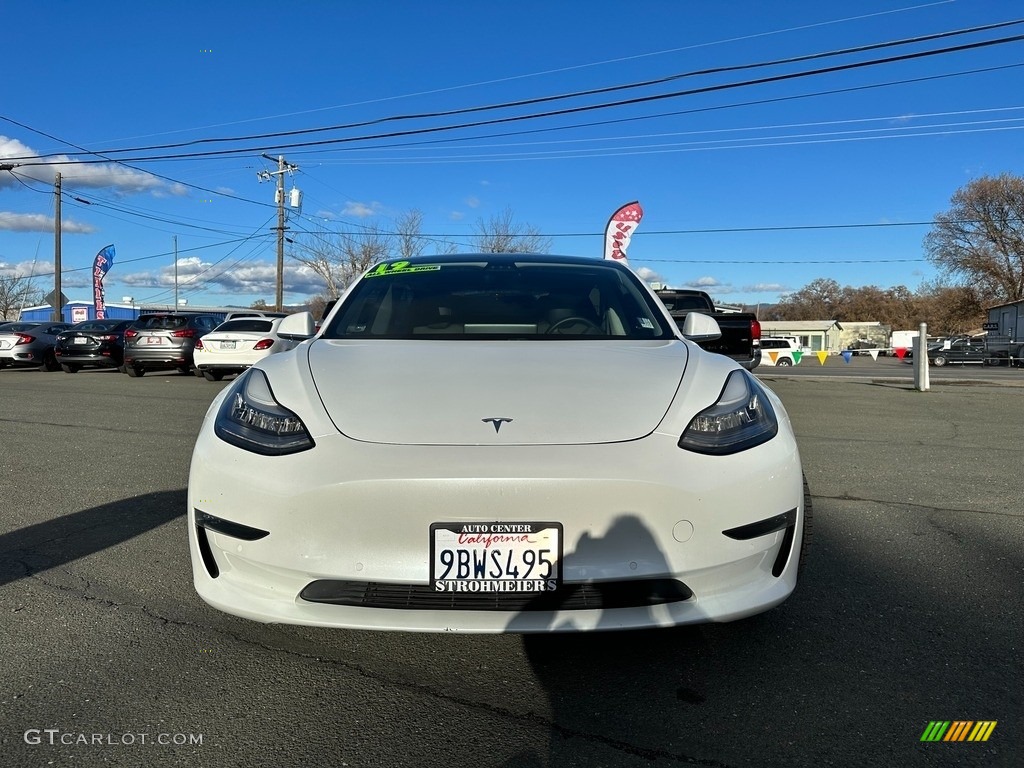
x: 822, y: 356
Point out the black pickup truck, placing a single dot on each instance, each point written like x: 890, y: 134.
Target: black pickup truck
x: 964, y: 350
x: 741, y: 331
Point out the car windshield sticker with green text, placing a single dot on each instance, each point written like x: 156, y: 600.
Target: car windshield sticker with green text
x: 401, y: 268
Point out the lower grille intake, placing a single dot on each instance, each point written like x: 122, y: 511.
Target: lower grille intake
x: 569, y: 597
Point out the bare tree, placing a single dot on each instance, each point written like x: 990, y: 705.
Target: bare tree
x: 408, y: 240
x: 980, y: 240
x: 340, y: 257
x: 15, y: 292
x: 502, y: 235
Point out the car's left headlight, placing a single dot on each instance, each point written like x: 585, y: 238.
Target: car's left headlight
x: 252, y: 419
x: 742, y: 418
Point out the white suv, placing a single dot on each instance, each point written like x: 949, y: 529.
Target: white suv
x: 777, y: 351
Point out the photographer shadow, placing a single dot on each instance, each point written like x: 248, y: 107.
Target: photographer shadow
x: 596, y: 673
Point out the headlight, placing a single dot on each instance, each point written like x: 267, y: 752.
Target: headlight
x: 250, y: 418
x: 741, y: 418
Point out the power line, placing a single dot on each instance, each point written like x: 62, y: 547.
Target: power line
x: 553, y: 113
x: 542, y: 73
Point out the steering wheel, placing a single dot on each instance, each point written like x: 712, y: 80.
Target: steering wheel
x: 590, y: 324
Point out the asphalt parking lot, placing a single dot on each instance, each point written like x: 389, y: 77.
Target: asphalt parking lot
x: 909, y: 612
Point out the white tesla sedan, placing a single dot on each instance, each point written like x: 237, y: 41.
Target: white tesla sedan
x: 495, y: 442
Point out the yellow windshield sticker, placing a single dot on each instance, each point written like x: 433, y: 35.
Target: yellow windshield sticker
x: 401, y: 268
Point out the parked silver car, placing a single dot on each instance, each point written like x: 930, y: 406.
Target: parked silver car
x: 162, y: 341
x: 30, y: 344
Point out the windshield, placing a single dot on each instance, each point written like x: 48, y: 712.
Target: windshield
x: 162, y: 322
x: 499, y: 298
x: 246, y: 325
x: 98, y: 325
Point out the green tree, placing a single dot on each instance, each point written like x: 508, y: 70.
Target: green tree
x: 979, y: 241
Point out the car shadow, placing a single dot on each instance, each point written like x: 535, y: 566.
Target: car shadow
x: 40, y: 547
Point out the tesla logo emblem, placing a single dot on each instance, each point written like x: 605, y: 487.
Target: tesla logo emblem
x: 496, y: 422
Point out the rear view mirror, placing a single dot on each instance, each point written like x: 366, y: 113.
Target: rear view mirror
x: 297, y: 327
x: 700, y: 327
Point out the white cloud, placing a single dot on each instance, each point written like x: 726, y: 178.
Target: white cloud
x: 41, y: 273
x: 456, y: 216
x: 649, y: 275
x: 766, y: 288
x: 703, y: 282
x: 96, y: 176
x: 40, y: 222
x: 258, y: 279
x: 473, y: 202
x: 361, y: 210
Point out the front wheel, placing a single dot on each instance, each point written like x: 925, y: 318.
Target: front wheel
x: 134, y: 371
x: 785, y: 362
x: 69, y: 368
x: 50, y: 362
x: 213, y: 375
x: 939, y: 361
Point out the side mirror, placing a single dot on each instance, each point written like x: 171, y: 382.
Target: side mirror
x: 297, y: 327
x: 700, y: 327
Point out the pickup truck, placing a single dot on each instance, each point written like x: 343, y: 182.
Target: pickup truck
x: 965, y: 350
x: 741, y: 331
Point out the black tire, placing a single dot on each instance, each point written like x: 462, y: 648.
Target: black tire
x: 785, y: 362
x: 3, y: 363
x: 50, y: 362
x: 197, y: 373
x: 939, y: 361
x: 805, y: 541
x: 69, y: 367
x: 135, y: 371
x: 184, y: 370
x: 213, y: 375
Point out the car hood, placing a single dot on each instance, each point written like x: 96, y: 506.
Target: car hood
x: 496, y: 393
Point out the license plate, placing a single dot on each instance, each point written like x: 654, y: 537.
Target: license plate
x: 80, y: 340
x: 228, y: 344
x: 495, y: 557
x: 153, y: 340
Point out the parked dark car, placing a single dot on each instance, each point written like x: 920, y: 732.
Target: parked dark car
x: 162, y: 341
x: 30, y: 343
x: 92, y: 344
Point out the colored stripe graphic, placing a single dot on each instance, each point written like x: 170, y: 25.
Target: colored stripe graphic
x: 935, y: 730
x: 958, y: 730
x: 982, y: 730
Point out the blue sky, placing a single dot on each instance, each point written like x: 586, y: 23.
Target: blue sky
x: 749, y: 191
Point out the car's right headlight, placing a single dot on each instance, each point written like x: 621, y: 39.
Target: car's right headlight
x: 742, y: 418
x: 252, y: 419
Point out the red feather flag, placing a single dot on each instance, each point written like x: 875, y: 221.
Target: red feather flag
x: 620, y: 229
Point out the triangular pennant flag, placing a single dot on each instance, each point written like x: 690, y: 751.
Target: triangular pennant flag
x: 874, y: 355
x: 822, y: 356
x: 797, y: 354
x: 774, y: 357
x: 901, y: 352
x: 847, y: 354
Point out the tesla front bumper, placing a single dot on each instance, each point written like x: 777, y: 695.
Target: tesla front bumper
x: 339, y: 535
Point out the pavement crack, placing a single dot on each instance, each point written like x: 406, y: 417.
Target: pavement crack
x: 912, y: 505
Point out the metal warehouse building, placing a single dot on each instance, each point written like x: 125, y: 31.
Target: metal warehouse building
x: 77, y: 311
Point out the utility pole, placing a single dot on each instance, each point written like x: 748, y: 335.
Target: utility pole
x: 282, y: 169
x: 175, y: 273
x: 58, y: 310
